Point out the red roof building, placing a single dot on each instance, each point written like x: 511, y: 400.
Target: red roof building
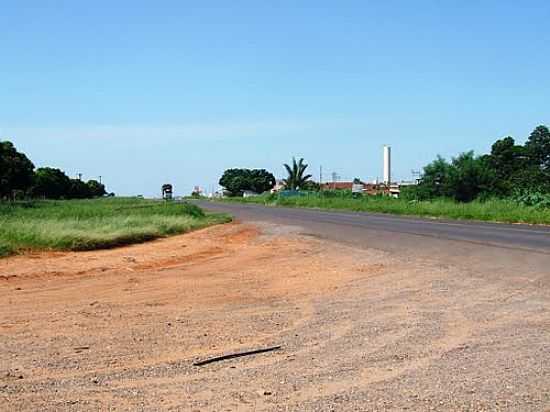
x: 368, y: 188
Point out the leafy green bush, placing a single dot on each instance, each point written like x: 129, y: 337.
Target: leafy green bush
x: 534, y: 199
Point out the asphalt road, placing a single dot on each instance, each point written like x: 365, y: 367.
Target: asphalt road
x: 484, y: 245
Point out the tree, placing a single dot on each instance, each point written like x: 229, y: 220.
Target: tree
x: 506, y: 159
x: 235, y: 181
x: 468, y: 177
x: 238, y: 180
x: 538, y: 147
x: 16, y: 170
x: 79, y: 190
x: 96, y: 189
x: 508, y: 163
x: 435, y: 178
x: 508, y: 169
x: 464, y: 179
x: 261, y: 180
x: 296, y: 178
x: 51, y: 183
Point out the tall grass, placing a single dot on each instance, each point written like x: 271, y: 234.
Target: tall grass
x: 494, y: 210
x: 94, y: 224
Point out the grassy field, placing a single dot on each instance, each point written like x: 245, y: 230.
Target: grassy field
x: 94, y: 224
x: 495, y: 210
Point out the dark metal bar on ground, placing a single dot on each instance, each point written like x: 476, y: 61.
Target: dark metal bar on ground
x: 236, y: 355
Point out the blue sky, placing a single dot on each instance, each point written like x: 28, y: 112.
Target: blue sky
x: 145, y: 92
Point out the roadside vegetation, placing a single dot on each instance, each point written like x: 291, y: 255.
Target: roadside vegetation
x: 492, y: 210
x: 510, y: 184
x: 94, y: 224
x: 510, y: 170
x: 19, y: 179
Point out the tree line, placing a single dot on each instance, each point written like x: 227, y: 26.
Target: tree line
x: 510, y: 169
x: 238, y: 181
x: 18, y: 178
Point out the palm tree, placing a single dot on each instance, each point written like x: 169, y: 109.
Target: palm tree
x: 296, y: 175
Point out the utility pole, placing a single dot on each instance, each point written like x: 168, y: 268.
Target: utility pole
x: 100, y: 179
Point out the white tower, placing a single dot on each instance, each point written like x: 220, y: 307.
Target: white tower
x: 387, y: 165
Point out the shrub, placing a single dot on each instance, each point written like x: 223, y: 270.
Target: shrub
x: 535, y: 199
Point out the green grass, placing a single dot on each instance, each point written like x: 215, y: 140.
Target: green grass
x: 494, y: 210
x: 95, y: 224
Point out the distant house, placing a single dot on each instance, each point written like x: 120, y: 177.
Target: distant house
x: 279, y: 185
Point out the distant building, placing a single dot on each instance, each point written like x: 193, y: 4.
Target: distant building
x: 279, y: 185
x: 368, y: 188
x: 197, y: 191
x: 394, y: 189
x: 337, y: 186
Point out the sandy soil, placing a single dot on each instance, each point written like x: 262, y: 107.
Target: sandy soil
x: 359, y: 329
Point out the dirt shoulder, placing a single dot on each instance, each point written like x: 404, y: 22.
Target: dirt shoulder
x: 359, y: 329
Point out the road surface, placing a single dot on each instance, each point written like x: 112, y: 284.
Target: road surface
x: 485, y: 245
